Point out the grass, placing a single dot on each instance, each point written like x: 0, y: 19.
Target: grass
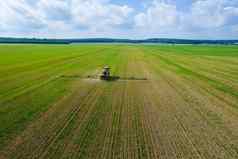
x: 186, y: 109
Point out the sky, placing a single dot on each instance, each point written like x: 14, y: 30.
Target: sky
x: 133, y: 19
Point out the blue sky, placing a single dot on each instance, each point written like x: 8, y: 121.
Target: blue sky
x: 135, y: 19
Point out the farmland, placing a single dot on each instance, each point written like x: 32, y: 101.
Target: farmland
x: 187, y: 108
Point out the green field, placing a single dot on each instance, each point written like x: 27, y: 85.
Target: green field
x: 187, y: 108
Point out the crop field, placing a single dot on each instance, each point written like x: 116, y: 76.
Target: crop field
x: 187, y: 108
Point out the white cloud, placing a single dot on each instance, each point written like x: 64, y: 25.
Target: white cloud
x: 157, y: 17
x: 107, y: 18
x: 19, y: 15
x: 234, y: 29
x: 212, y: 13
x: 99, y: 14
x: 203, y: 16
x: 55, y: 10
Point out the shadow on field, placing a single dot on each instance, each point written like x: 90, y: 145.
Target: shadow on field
x: 118, y: 78
x: 111, y: 78
x: 133, y: 79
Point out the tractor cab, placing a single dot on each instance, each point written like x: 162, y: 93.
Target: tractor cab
x: 105, y: 73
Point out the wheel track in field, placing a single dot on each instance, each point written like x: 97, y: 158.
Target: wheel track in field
x: 209, y: 89
x: 219, y: 143
x: 143, y: 133
x: 36, y: 87
x: 12, y: 147
x: 107, y: 134
x: 220, y: 61
x: 130, y: 135
x: 155, y: 84
x: 85, y: 117
x: 184, y: 131
x: 214, y: 71
x: 170, y: 88
x: 138, y: 124
x: 221, y: 137
x: 94, y: 105
x: 203, y: 88
x: 111, y: 123
x: 163, y: 124
x: 214, y: 83
x: 112, y: 140
x: 148, y: 110
x: 132, y: 145
x: 174, y: 122
x: 138, y: 93
x: 147, y: 130
x: 164, y: 78
x: 202, y: 63
x: 124, y: 125
x: 178, y: 92
x: 87, y: 130
x: 111, y: 147
x: 212, y: 97
x: 68, y: 121
x: 201, y: 113
x: 90, y: 105
x: 150, y: 113
x: 184, y: 71
x: 116, y: 145
x: 150, y: 125
x: 135, y: 134
x: 80, y: 118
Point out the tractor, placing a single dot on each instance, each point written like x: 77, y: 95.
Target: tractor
x: 105, y: 74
